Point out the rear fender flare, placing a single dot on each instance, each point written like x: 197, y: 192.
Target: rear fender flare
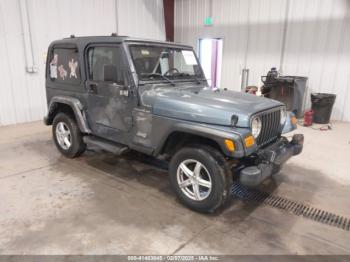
x: 75, y: 105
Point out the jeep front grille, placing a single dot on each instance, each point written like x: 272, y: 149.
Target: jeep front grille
x: 271, y: 127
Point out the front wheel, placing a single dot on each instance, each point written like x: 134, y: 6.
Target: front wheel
x: 200, y: 178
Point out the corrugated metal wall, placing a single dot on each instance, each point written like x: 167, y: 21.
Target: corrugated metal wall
x: 141, y: 18
x: 318, y: 45
x: 22, y: 94
x: 316, y: 34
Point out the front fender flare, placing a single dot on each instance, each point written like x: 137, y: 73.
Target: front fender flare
x: 215, y: 133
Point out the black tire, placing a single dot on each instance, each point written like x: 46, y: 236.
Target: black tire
x: 77, y: 146
x: 216, y: 165
x: 276, y: 169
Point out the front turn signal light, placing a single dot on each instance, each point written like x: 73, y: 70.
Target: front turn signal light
x: 230, y: 145
x: 249, y: 141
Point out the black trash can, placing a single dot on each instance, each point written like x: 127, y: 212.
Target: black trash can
x: 322, y: 105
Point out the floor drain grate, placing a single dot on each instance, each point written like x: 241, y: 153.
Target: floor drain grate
x: 294, y: 207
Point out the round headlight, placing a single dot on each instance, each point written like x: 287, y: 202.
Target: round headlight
x: 256, y: 126
x: 283, y: 115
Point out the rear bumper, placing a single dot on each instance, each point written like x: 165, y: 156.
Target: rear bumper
x: 271, y: 159
x: 46, y: 121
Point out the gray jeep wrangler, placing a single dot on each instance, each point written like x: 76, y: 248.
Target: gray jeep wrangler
x: 118, y: 94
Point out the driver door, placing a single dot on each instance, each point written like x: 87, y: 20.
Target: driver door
x: 109, y: 101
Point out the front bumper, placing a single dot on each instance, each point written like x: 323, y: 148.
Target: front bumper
x: 271, y: 159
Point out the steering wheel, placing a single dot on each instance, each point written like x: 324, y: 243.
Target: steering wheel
x: 171, y: 70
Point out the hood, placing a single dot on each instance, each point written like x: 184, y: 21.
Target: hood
x: 205, y: 105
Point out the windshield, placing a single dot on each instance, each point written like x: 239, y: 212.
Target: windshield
x: 165, y: 63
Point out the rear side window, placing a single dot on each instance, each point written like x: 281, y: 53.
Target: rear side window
x: 64, y: 66
x: 105, y: 64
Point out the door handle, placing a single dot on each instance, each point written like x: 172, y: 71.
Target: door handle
x: 92, y: 88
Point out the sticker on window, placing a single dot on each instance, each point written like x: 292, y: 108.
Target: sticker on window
x: 189, y: 57
x: 145, y: 52
x: 53, y: 66
x: 73, y: 68
x: 63, y: 72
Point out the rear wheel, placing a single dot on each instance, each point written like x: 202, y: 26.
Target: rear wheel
x: 200, y: 178
x: 67, y: 136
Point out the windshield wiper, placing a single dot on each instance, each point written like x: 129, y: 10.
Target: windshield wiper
x: 157, y: 74
x: 198, y: 81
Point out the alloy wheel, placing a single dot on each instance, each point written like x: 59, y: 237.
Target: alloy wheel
x: 63, y: 135
x: 194, y: 179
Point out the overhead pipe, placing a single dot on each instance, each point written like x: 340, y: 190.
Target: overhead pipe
x: 116, y: 17
x: 284, y: 36
x: 245, y: 70
x: 27, y: 37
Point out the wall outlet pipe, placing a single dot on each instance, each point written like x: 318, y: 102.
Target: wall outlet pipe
x: 27, y: 37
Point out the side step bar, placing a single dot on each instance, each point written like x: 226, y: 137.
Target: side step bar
x: 109, y: 146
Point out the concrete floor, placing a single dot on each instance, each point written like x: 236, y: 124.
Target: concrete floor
x: 103, y: 204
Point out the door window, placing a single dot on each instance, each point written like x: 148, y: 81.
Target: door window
x: 105, y: 64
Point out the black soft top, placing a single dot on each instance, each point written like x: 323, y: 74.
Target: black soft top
x: 83, y: 41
